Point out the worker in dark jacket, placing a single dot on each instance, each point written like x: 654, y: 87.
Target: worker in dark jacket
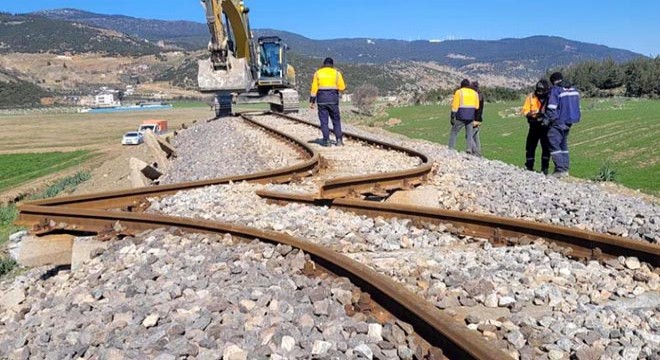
x: 463, y: 112
x: 478, y: 120
x: 534, y: 109
x: 562, y: 112
x: 327, y: 84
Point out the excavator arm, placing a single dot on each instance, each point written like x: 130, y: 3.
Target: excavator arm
x: 230, y: 67
x: 241, y: 69
x: 237, y: 15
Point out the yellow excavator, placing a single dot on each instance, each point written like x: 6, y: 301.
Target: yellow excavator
x: 240, y: 69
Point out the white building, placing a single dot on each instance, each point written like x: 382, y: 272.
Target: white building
x: 107, y: 99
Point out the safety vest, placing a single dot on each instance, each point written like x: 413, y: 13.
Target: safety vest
x: 465, y: 104
x: 327, y: 84
x: 532, y: 105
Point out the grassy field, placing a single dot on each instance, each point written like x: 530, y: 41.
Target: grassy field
x: 71, y: 132
x: 189, y: 104
x: 20, y: 168
x: 623, y: 132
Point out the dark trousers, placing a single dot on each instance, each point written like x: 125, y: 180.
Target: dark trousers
x: 537, y: 133
x: 558, y: 140
x: 326, y: 112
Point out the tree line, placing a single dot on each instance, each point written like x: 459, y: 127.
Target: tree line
x: 491, y: 94
x: 635, y: 78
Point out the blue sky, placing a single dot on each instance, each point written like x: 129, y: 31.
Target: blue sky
x: 629, y: 25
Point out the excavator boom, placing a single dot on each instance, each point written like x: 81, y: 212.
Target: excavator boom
x: 228, y: 67
x: 240, y: 68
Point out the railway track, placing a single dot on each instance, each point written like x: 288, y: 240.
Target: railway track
x: 98, y: 213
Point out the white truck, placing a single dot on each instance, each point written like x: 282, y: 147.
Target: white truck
x: 158, y: 127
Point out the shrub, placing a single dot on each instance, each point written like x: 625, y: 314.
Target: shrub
x: 606, y: 173
x: 364, y: 98
x: 7, y: 214
x: 7, y: 265
x: 65, y: 184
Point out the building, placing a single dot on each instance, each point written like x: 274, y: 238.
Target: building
x: 47, y: 101
x: 87, y: 101
x: 107, y: 99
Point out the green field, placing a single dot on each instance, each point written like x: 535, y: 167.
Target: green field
x: 16, y: 169
x: 189, y: 104
x: 624, y: 132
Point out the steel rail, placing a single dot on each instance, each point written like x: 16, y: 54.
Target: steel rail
x: 133, y: 197
x: 82, y: 213
x: 584, y: 244
x: 375, y: 184
x: 440, y: 330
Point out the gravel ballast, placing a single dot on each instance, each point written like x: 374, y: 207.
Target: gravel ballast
x: 529, y: 300
x: 225, y: 147
x: 167, y: 296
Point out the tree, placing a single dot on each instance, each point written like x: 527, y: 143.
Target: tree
x: 365, y: 98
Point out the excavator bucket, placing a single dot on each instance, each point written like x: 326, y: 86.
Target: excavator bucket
x: 236, y: 78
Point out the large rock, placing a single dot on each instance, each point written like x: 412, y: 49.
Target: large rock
x: 82, y: 251
x: 152, y: 143
x: 136, y: 176
x: 12, y: 298
x: 47, y: 250
x: 426, y: 197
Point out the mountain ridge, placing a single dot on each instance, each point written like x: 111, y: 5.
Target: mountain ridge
x: 161, y: 51
x: 539, y: 52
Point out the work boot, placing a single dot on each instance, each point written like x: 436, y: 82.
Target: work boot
x: 340, y: 142
x: 544, y: 171
x: 325, y: 143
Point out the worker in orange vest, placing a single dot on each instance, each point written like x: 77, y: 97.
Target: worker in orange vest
x: 534, y: 109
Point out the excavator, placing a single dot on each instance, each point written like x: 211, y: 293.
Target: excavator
x: 241, y: 70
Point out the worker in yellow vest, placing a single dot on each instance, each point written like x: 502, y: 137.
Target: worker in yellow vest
x: 327, y: 85
x: 463, y: 114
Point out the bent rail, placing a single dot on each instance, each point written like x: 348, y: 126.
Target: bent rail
x: 585, y: 244
x: 438, y: 329
x: 376, y: 184
x: 82, y: 213
x: 132, y: 197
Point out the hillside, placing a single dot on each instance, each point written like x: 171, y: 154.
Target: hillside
x: 36, y: 34
x: 15, y: 92
x: 69, y: 51
x: 186, y: 34
x: 510, y: 57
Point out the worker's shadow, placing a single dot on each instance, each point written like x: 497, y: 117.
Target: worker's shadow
x: 320, y: 142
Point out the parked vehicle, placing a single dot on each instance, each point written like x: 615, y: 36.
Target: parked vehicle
x: 158, y: 127
x: 132, y: 138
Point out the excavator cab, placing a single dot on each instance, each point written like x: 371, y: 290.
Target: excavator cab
x: 272, y: 62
